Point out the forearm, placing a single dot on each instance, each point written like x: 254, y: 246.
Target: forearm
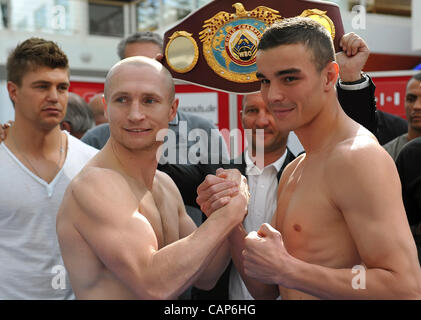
x: 179, y: 265
x: 256, y: 288
x: 329, y: 283
x: 360, y: 105
x: 210, y: 276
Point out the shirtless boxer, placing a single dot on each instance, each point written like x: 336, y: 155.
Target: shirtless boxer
x: 123, y: 231
x: 339, y: 205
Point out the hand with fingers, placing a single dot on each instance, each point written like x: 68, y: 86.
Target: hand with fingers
x: 218, y: 190
x: 4, y: 129
x: 353, y: 57
x: 265, y: 257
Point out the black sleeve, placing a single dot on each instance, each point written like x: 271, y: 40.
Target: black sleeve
x: 360, y: 105
x: 187, y: 178
x: 408, y: 164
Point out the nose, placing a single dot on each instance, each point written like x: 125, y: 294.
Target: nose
x: 136, y: 113
x: 274, y: 94
x: 52, y: 94
x: 262, y: 120
x: 417, y: 103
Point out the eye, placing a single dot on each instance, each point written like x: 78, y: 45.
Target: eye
x: 121, y: 99
x: 411, y: 98
x: 290, y: 79
x: 252, y: 111
x: 150, y: 100
x: 63, y: 88
x: 264, y: 81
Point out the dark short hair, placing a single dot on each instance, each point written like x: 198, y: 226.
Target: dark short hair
x: 301, y: 30
x: 144, y: 36
x: 78, y: 114
x: 32, y: 54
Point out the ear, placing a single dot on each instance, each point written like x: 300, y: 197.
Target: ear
x: 104, y: 103
x: 12, y: 90
x: 331, y: 74
x: 173, y: 109
x: 64, y: 125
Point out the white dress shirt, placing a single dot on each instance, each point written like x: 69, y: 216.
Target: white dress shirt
x: 263, y: 186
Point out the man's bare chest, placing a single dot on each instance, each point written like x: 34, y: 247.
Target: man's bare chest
x: 306, y: 214
x: 162, y: 216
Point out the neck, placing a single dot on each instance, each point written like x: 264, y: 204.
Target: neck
x: 30, y: 139
x: 413, y: 133
x: 269, y: 157
x: 319, y: 131
x: 138, y: 164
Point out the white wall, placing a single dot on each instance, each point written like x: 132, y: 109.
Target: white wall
x: 416, y: 25
x: 6, y: 108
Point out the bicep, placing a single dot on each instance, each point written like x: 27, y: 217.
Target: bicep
x: 110, y: 223
x: 372, y: 207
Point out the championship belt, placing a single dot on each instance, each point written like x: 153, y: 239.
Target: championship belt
x: 216, y: 45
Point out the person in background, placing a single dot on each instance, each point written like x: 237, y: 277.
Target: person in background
x: 409, y: 168
x: 39, y: 161
x: 413, y: 114
x: 78, y: 118
x: 97, y: 107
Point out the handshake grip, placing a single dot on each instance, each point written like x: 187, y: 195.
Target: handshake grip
x: 242, y: 197
x: 226, y: 188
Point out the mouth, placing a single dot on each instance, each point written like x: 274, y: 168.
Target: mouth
x: 137, y: 130
x: 282, y: 112
x: 51, y: 110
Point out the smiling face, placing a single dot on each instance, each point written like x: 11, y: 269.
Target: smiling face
x: 140, y: 102
x: 255, y: 115
x: 413, y: 105
x: 291, y: 86
x: 41, y: 99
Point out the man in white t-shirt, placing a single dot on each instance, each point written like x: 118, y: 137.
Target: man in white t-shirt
x: 38, y: 161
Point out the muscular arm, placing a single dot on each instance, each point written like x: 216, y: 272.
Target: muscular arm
x: 371, y: 204
x: 125, y: 242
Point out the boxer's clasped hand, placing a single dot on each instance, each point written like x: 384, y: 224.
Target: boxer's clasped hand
x: 217, y: 191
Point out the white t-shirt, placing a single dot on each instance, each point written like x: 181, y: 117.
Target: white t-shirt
x: 31, y: 266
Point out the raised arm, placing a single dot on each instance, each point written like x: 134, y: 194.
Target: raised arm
x: 356, y: 91
x: 124, y: 240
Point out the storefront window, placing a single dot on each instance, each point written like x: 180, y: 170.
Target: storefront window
x: 48, y: 16
x: 106, y: 20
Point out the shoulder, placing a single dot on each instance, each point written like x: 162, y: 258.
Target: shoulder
x: 196, y: 121
x: 99, y: 132
x: 408, y: 160
x: 81, y: 147
x: 96, y: 189
x: 165, y: 183
x: 294, y: 162
x: 358, y: 160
